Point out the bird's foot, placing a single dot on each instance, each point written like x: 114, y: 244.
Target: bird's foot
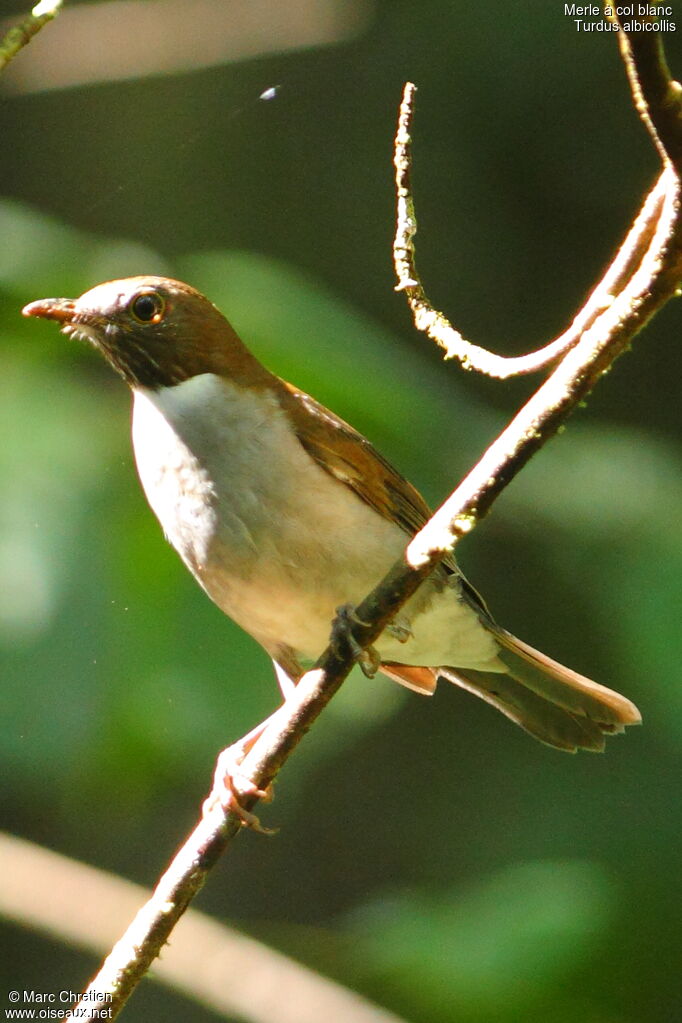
x: 400, y: 629
x: 231, y: 785
x: 342, y: 633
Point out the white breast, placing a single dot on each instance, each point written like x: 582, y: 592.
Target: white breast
x: 177, y: 484
x: 270, y: 535
x: 274, y: 539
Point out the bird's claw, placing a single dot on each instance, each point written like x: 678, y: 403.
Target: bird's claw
x: 369, y: 661
x: 342, y: 633
x: 231, y: 785
x: 400, y: 629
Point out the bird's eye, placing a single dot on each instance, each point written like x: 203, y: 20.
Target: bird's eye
x: 147, y: 307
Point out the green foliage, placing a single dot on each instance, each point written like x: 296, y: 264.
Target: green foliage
x: 498, y: 950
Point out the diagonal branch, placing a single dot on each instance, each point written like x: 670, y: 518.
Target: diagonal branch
x: 19, y: 35
x: 646, y: 273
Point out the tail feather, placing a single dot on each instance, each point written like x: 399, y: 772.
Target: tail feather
x: 562, y: 686
x: 540, y: 717
x: 553, y: 703
x: 419, y: 680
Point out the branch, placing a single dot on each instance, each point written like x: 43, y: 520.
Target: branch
x: 657, y: 97
x: 214, y: 965
x: 439, y: 328
x: 645, y: 274
x: 21, y: 34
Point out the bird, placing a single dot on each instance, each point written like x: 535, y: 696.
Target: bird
x: 283, y: 513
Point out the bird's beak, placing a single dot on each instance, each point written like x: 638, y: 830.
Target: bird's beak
x: 60, y: 309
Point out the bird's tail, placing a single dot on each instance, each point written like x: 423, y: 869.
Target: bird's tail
x: 553, y: 703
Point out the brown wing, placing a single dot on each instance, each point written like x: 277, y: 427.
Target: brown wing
x: 350, y: 458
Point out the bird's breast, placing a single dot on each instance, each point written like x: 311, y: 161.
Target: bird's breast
x: 275, y: 540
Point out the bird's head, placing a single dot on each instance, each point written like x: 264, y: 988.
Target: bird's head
x: 154, y: 331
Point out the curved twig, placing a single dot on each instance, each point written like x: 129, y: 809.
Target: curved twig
x: 657, y: 96
x: 438, y: 327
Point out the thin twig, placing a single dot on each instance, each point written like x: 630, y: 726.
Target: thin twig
x: 655, y: 282
x: 19, y: 35
x: 657, y: 96
x: 438, y: 327
x: 648, y: 272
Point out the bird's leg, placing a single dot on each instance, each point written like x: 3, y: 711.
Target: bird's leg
x: 342, y: 633
x: 230, y: 784
x: 228, y: 777
x: 287, y: 669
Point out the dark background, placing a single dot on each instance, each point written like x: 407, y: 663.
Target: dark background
x: 430, y: 855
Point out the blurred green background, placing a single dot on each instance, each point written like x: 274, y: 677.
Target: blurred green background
x: 431, y: 855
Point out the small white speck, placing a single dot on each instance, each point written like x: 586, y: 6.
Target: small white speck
x: 270, y: 93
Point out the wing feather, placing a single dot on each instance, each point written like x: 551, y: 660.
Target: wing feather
x: 349, y: 457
